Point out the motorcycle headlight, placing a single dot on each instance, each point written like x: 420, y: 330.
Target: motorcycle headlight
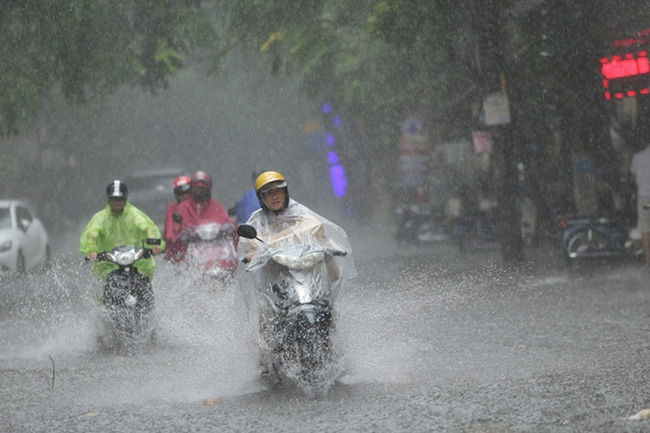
x: 302, y: 262
x: 125, y: 258
x: 5, y: 246
x: 207, y: 232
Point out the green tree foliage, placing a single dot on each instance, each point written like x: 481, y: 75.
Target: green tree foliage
x: 326, y: 45
x: 88, y: 47
x: 375, y: 58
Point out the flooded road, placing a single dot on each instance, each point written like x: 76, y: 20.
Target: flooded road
x: 432, y: 341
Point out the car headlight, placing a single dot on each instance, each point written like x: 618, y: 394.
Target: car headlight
x: 5, y: 246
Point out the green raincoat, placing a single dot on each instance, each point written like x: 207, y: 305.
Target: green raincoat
x: 107, y: 230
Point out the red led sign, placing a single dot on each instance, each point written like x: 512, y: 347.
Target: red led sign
x: 639, y: 39
x: 618, y: 68
x: 627, y: 75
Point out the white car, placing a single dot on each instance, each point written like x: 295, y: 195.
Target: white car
x: 24, y: 244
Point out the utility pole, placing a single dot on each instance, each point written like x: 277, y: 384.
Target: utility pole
x: 494, y: 72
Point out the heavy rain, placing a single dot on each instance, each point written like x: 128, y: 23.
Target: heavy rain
x: 469, y: 181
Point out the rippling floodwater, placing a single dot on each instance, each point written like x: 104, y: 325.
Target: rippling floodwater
x: 431, y: 341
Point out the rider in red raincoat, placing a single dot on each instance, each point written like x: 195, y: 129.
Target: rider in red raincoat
x: 199, y: 209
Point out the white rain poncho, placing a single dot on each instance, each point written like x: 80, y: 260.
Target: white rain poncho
x: 296, y: 225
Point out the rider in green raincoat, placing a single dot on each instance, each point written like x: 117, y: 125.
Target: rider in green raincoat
x: 120, y: 223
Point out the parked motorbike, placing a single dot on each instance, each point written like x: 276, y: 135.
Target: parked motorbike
x: 592, y: 237
x: 296, y: 323
x: 128, y: 301
x: 210, y: 250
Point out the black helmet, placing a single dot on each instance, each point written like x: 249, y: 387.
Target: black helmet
x: 117, y: 189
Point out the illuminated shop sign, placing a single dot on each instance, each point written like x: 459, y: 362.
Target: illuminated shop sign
x: 627, y: 74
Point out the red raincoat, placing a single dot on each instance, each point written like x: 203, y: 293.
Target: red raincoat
x: 195, y: 213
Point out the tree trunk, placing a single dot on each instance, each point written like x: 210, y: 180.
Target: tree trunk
x: 494, y: 63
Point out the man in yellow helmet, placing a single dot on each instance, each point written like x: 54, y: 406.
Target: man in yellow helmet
x: 283, y: 222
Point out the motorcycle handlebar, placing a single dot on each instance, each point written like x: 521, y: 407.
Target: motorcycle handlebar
x: 100, y: 257
x: 148, y: 252
x: 338, y: 253
x: 189, y: 235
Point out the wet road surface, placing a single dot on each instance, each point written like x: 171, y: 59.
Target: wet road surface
x: 432, y: 341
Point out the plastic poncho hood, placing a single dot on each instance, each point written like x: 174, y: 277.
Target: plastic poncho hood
x: 106, y: 230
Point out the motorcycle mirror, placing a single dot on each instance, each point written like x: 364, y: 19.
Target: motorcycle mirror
x: 246, y: 231
x: 177, y: 218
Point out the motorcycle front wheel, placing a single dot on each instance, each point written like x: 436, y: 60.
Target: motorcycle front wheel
x: 582, y: 243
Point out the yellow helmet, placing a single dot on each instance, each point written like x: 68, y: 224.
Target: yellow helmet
x: 267, y: 181
x: 268, y: 177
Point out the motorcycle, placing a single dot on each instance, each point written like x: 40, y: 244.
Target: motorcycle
x: 128, y: 300
x: 211, y: 250
x: 296, y: 318
x: 592, y: 237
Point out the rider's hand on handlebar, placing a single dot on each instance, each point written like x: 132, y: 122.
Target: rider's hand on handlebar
x: 92, y: 255
x: 156, y: 250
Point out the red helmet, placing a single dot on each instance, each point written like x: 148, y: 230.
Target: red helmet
x: 201, y: 177
x: 182, y: 184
